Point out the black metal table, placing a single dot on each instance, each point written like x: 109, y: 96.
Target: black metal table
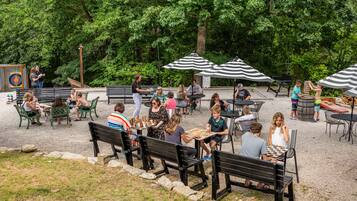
x: 230, y: 114
x: 239, y: 102
x: 347, y: 118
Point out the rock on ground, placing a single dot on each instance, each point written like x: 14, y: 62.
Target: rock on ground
x: 184, y: 190
x: 72, y: 156
x: 115, y: 163
x: 177, y: 183
x: 18, y: 149
x: 133, y: 170
x: 103, y: 159
x: 149, y: 176
x: 54, y: 154
x: 165, y: 182
x: 92, y: 160
x: 197, y: 196
x: 37, y: 154
x: 27, y: 148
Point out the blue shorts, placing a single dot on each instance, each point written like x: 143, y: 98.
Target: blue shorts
x: 294, y: 104
x: 317, y: 108
x: 216, y: 138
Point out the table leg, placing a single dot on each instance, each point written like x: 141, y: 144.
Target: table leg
x: 198, y: 153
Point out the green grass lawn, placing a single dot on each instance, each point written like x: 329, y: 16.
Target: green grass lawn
x: 23, y: 177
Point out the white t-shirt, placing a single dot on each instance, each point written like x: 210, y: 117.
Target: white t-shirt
x: 278, y: 137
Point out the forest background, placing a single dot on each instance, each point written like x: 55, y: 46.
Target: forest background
x: 308, y: 39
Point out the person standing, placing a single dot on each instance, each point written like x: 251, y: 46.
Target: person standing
x: 34, y: 78
x: 194, y: 89
x: 318, y: 90
x: 137, y: 91
x: 40, y: 77
x: 296, y: 94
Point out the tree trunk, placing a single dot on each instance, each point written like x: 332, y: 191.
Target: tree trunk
x: 201, y: 38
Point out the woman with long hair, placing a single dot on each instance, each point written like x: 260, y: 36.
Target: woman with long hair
x: 215, y: 100
x: 137, y: 91
x: 159, y: 117
x: 278, y: 132
x: 174, y: 132
x: 182, y: 100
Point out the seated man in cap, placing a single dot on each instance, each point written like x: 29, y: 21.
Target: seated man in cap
x: 241, y: 93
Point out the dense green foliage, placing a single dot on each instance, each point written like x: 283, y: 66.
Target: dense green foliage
x: 307, y: 38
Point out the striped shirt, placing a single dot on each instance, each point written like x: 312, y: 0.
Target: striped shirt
x: 118, y: 121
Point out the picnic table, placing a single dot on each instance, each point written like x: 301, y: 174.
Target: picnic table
x: 199, y: 134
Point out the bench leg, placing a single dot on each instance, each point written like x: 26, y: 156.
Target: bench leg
x: 95, y: 148
x: 90, y: 114
x: 145, y: 160
x: 183, y: 176
x: 20, y: 122
x: 215, y: 184
x: 291, y: 192
x: 95, y: 112
x: 278, y: 196
x: 165, y: 166
x: 296, y: 168
x: 129, y: 158
x: 228, y: 183
x: 28, y: 123
x: 115, y: 154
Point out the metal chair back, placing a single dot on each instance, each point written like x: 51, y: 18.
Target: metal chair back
x: 292, y: 143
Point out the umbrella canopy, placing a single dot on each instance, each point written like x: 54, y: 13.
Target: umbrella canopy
x: 238, y: 70
x: 351, y: 92
x: 345, y: 79
x: 191, y: 62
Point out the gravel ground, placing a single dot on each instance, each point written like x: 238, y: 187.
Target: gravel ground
x: 327, y: 167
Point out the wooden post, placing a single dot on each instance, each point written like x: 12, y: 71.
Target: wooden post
x: 81, y: 65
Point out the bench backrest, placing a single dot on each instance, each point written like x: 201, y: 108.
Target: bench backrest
x: 59, y: 111
x: 44, y: 94
x: 248, y: 168
x: 159, y: 149
x: 21, y: 111
x: 109, y: 135
x: 112, y: 90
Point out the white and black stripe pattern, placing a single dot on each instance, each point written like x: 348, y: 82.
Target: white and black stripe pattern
x: 191, y: 62
x: 236, y: 69
x: 345, y: 79
x: 351, y: 92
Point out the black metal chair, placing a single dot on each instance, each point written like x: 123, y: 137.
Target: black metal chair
x: 292, y: 153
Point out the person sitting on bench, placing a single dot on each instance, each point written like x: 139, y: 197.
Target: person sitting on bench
x: 217, y: 125
x: 30, y: 108
x: 254, y: 146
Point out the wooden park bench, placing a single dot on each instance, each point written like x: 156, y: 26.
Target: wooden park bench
x: 44, y: 95
x: 113, y: 137
x: 172, y: 156
x: 249, y: 168
x: 125, y: 93
x: 281, y: 82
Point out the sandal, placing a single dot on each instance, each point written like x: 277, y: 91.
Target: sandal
x: 247, y: 183
x: 262, y: 186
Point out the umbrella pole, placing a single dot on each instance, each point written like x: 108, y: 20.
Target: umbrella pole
x: 351, y: 125
x: 234, y: 97
x: 193, y: 77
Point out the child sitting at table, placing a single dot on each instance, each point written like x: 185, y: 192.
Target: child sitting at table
x: 58, y: 104
x: 217, y: 125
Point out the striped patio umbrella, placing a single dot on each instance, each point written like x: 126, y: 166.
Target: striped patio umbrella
x: 238, y: 70
x: 345, y: 79
x: 191, y: 62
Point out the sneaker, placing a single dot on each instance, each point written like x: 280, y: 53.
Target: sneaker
x: 207, y: 158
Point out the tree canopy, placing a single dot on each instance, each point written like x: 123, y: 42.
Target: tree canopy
x: 309, y: 39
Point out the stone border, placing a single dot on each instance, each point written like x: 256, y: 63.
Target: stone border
x: 105, y: 160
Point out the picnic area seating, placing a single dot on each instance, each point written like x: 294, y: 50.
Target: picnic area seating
x: 59, y: 112
x: 44, y: 95
x: 90, y: 109
x: 332, y: 121
x: 279, y: 83
x: 24, y: 115
x: 292, y: 153
x: 125, y: 93
x: 256, y: 108
x: 115, y: 138
x: 174, y: 156
x: 249, y: 168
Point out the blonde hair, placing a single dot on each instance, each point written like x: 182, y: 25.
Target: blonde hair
x: 173, y: 123
x: 159, y: 89
x: 246, y: 110
x: 275, y: 117
x: 216, y: 109
x: 28, y: 96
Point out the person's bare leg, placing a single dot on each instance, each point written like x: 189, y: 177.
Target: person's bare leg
x: 213, y: 144
x: 204, y: 147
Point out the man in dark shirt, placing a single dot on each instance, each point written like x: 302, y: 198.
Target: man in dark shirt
x: 241, y: 93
